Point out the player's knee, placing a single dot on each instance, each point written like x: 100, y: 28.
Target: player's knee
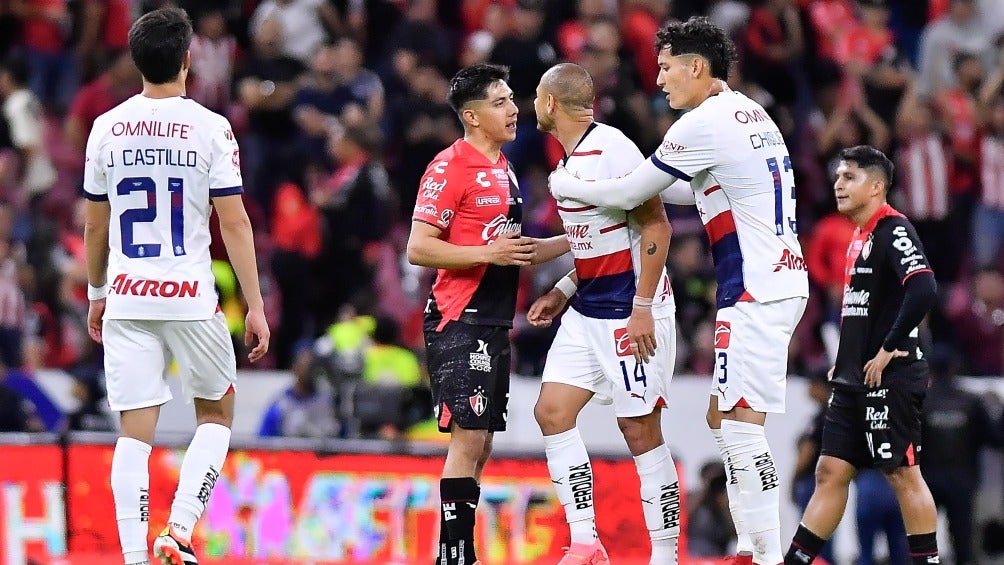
x: 903, y: 479
x: 552, y: 417
x: 831, y: 474
x: 640, y: 434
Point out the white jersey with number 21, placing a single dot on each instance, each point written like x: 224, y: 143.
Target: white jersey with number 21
x: 158, y: 161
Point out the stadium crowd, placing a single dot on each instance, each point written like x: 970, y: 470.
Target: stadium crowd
x: 339, y: 106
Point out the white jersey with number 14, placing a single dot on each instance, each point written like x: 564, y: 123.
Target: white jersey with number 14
x: 158, y: 162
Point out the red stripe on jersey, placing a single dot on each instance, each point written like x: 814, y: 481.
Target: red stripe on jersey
x: 609, y: 229
x: 914, y: 273
x: 612, y: 264
x: 741, y: 403
x: 712, y: 189
x: 910, y: 458
x: 587, y: 153
x: 580, y: 209
x: 720, y: 226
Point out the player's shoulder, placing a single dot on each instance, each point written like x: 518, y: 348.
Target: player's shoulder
x: 610, y: 137
x: 893, y: 224
x: 197, y: 113
x: 452, y: 159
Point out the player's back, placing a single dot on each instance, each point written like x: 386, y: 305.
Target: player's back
x: 605, y: 243
x: 159, y: 161
x: 744, y: 187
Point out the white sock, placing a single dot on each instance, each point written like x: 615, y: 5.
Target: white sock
x: 131, y: 490
x: 572, y: 476
x: 743, y: 543
x: 758, y: 488
x: 199, y: 471
x: 660, y: 502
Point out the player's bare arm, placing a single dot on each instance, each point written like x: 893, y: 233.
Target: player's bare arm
x: 655, y: 235
x: 624, y: 193
x: 235, y: 227
x: 427, y: 249
x: 97, y: 216
x: 550, y: 248
x: 679, y: 193
x: 546, y: 309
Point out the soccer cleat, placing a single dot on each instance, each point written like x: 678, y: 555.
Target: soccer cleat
x: 172, y: 549
x: 585, y: 554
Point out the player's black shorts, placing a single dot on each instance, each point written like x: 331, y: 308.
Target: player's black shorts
x: 877, y: 429
x: 469, y: 369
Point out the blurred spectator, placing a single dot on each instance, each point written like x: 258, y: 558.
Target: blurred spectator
x: 803, y: 482
x: 91, y: 415
x: 774, y: 41
x: 420, y: 34
x: 526, y: 51
x: 356, y: 204
x: 302, y: 24
x: 494, y: 25
x: 386, y: 362
x: 113, y: 87
x: 988, y: 219
x: 12, y: 308
x: 710, y: 532
x: 423, y: 123
x: 573, y: 34
x: 833, y: 21
x: 23, y: 114
x: 17, y: 414
x: 693, y: 281
x: 305, y: 409
x: 956, y: 426
x: 878, y: 512
x: 296, y: 232
x: 924, y: 167
x: 266, y: 86
x: 46, y: 27
x: 977, y: 315
x: 960, y: 31
x: 641, y: 20
x: 214, y: 53
x: 361, y: 87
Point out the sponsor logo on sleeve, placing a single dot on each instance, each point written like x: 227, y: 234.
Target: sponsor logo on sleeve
x: 723, y: 334
x: 427, y: 210
x: 445, y: 217
x: 431, y: 188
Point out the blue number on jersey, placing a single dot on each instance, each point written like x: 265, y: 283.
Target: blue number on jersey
x: 132, y: 216
x: 775, y: 172
x: 639, y: 375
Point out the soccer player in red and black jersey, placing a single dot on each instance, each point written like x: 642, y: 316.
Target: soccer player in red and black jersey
x: 466, y: 224
x: 880, y: 377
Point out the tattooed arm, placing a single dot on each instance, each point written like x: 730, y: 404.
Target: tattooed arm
x: 651, y: 220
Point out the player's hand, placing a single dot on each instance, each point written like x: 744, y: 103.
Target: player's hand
x: 95, y: 311
x: 511, y: 249
x: 545, y: 309
x: 558, y: 181
x: 874, y: 368
x: 641, y: 334
x: 255, y: 326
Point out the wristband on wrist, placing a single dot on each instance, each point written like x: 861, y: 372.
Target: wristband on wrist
x: 641, y: 302
x: 97, y: 292
x: 566, y: 286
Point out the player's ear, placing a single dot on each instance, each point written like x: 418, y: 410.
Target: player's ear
x: 695, y: 66
x: 469, y: 117
x: 186, y: 63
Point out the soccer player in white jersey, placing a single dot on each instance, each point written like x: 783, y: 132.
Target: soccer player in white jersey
x: 155, y: 166
x: 617, y: 341
x: 733, y: 156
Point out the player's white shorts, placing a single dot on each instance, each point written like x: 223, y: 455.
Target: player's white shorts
x: 751, y: 353
x: 138, y: 354
x: 595, y: 355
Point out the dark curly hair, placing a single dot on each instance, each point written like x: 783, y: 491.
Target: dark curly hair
x: 471, y: 83
x: 699, y: 36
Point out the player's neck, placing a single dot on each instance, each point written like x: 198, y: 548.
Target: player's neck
x: 166, y: 90
x: 569, y: 133
x: 862, y: 217
x: 490, y: 149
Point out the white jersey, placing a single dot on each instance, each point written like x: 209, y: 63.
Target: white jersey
x: 605, y: 242
x: 737, y: 164
x: 158, y: 162
x: 736, y: 161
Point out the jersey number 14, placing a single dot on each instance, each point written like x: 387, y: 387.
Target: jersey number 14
x: 133, y: 216
x: 780, y: 192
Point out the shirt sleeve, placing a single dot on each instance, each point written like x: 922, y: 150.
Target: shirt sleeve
x: 905, y: 253
x: 224, y: 162
x: 439, y: 194
x: 95, y: 176
x: 688, y: 148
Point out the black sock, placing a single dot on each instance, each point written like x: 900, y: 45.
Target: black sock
x: 459, y: 501
x: 923, y: 549
x: 805, y: 546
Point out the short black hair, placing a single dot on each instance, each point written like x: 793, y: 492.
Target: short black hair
x: 471, y: 83
x: 867, y: 157
x: 387, y: 331
x: 700, y: 36
x: 158, y: 43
